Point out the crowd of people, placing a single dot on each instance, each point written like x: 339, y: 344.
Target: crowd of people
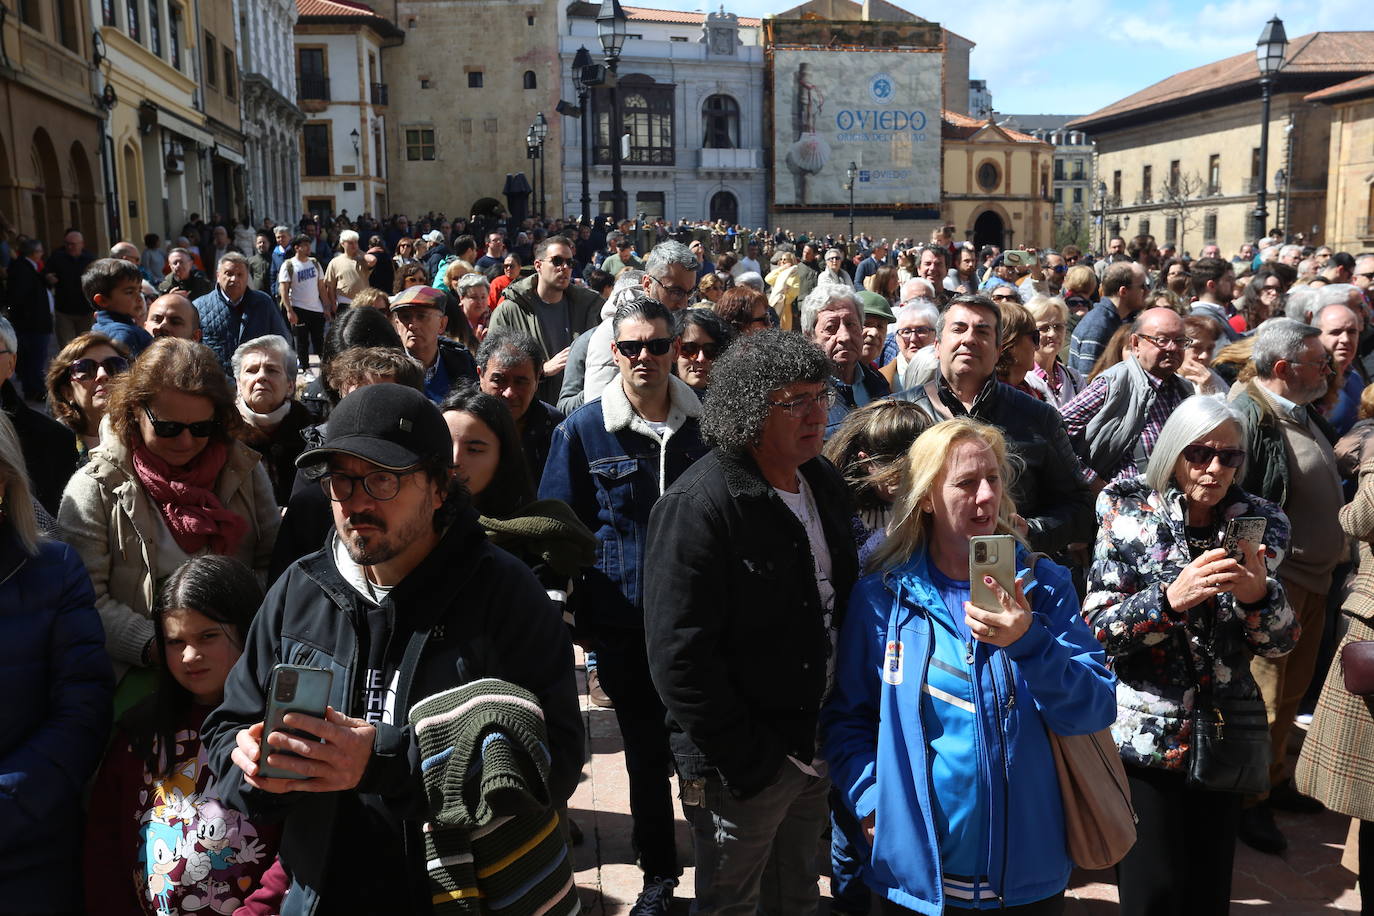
x: 756, y: 476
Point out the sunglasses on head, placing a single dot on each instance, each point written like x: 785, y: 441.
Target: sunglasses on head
x: 85, y: 369
x: 1202, y: 455
x: 630, y: 348
x: 170, y: 429
x: 691, y: 348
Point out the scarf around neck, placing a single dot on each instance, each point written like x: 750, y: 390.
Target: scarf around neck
x: 193, y: 513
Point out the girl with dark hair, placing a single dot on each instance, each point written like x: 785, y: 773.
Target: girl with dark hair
x: 546, y: 534
x: 157, y: 838
x: 356, y: 327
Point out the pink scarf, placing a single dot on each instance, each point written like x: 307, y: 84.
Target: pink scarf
x: 189, y: 506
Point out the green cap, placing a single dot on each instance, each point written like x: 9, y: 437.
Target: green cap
x: 876, y: 306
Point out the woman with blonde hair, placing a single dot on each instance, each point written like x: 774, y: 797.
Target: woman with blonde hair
x: 79, y: 381
x: 170, y: 481
x: 954, y: 700
x: 1052, y: 321
x: 1080, y: 292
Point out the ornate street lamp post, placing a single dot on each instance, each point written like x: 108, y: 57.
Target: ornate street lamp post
x: 1269, y: 53
x: 539, y: 130
x: 611, y: 29
x: 851, y: 175
x: 581, y: 61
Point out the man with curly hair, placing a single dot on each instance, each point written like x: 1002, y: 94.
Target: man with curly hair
x: 753, y: 560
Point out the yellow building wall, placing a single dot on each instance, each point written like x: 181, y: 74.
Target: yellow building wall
x: 1017, y: 199
x: 1232, y: 133
x: 1349, y: 222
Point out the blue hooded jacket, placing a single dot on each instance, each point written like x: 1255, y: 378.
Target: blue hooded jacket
x: 876, y: 741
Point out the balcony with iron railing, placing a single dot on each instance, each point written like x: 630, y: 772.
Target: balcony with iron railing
x: 379, y: 94
x: 312, y: 88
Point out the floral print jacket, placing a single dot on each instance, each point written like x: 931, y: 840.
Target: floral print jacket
x: 1142, y: 547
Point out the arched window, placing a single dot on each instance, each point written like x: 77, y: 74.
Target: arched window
x: 530, y: 81
x: 646, y: 114
x: 720, y: 123
x: 724, y: 205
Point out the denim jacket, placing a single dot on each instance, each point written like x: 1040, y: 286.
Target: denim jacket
x: 609, y: 465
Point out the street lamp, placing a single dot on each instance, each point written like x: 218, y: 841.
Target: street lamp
x: 850, y: 175
x: 581, y: 61
x: 1269, y: 53
x: 1102, y: 219
x: 355, y: 137
x: 611, y: 29
x: 539, y: 130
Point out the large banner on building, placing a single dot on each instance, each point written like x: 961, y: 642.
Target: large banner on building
x: 877, y: 109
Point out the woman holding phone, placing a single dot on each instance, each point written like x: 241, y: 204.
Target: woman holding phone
x: 1178, y: 615
x: 950, y: 700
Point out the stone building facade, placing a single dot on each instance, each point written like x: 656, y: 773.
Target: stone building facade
x: 271, y: 119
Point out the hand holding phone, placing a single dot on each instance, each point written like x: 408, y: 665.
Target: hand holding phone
x: 997, y: 612
x: 293, y: 688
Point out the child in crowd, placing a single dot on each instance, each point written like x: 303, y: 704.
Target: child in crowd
x: 157, y: 842
x: 115, y: 287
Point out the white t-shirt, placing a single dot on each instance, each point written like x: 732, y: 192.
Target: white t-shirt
x: 304, y: 277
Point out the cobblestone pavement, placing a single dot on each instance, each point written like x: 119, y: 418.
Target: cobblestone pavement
x: 1309, y: 879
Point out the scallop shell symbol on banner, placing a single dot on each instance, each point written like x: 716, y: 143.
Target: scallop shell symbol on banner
x: 809, y: 154
x: 881, y: 88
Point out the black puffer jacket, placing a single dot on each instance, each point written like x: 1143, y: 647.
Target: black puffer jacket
x: 738, y: 647
x: 485, y: 615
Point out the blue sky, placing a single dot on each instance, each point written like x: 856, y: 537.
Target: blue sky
x: 1052, y: 57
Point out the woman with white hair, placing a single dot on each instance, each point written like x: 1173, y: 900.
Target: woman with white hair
x: 265, y: 375
x: 834, y: 272
x: 56, y: 674
x: 1181, y: 617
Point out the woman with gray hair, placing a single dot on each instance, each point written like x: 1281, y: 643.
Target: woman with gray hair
x: 1181, y: 617
x: 265, y: 377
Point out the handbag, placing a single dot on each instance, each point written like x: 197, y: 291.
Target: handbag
x: 1230, y: 747
x: 1357, y: 667
x: 1099, y: 820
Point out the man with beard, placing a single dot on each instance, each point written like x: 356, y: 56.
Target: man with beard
x: 406, y: 600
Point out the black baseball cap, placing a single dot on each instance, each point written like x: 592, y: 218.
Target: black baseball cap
x: 392, y: 426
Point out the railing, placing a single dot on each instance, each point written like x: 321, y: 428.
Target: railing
x: 379, y: 94
x: 313, y: 87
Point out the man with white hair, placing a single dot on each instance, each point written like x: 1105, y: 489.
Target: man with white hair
x: 914, y: 330
x: 232, y: 312
x: 1290, y: 255
x: 347, y: 273
x: 832, y: 318
x: 1290, y: 461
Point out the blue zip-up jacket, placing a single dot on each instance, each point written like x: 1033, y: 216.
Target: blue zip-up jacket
x: 123, y: 329
x: 1054, y: 676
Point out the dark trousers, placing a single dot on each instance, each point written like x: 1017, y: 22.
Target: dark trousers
x: 1050, y: 906
x: 848, y: 853
x: 309, y: 331
x: 1184, y: 848
x: 1367, y: 868
x: 31, y: 362
x: 623, y: 665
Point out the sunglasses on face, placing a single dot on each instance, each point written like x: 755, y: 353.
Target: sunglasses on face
x: 1202, y: 455
x: 1059, y: 268
x: 557, y: 260
x: 1005, y: 297
x: 691, y: 348
x: 657, y: 347
x: 170, y: 429
x: 85, y: 369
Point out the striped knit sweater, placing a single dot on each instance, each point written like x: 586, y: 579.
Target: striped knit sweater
x: 493, y: 843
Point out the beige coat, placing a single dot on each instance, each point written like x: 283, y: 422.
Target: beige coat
x: 109, y: 519
x: 1336, y: 766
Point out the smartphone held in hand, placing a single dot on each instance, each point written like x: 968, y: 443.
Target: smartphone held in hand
x: 293, y: 688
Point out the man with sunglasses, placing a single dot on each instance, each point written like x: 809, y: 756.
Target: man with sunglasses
x: 1115, y: 421
x: 550, y: 308
x: 611, y: 460
x: 1046, y: 277
x: 406, y: 599
x: 1290, y: 461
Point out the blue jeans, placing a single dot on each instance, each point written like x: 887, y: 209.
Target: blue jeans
x: 31, y: 363
x: 759, y: 854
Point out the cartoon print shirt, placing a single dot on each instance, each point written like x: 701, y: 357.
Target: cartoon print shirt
x: 167, y: 846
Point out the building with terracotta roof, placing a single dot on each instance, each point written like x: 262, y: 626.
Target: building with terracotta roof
x: 1350, y: 166
x: 1074, y: 221
x: 996, y: 183
x: 1180, y: 158
x: 342, y: 89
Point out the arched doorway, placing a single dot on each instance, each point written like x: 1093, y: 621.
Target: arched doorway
x: 487, y: 206
x: 47, y: 196
x: 988, y: 229
x: 724, y: 205
x: 83, y: 207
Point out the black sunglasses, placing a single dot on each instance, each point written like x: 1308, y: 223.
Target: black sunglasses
x: 170, y: 429
x: 691, y: 348
x: 85, y: 369
x: 557, y: 260
x: 630, y: 348
x: 1202, y: 455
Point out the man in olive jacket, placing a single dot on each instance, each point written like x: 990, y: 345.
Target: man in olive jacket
x: 550, y: 308
x: 751, y: 560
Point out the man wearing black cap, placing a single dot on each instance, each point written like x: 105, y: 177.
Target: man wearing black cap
x: 407, y: 599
